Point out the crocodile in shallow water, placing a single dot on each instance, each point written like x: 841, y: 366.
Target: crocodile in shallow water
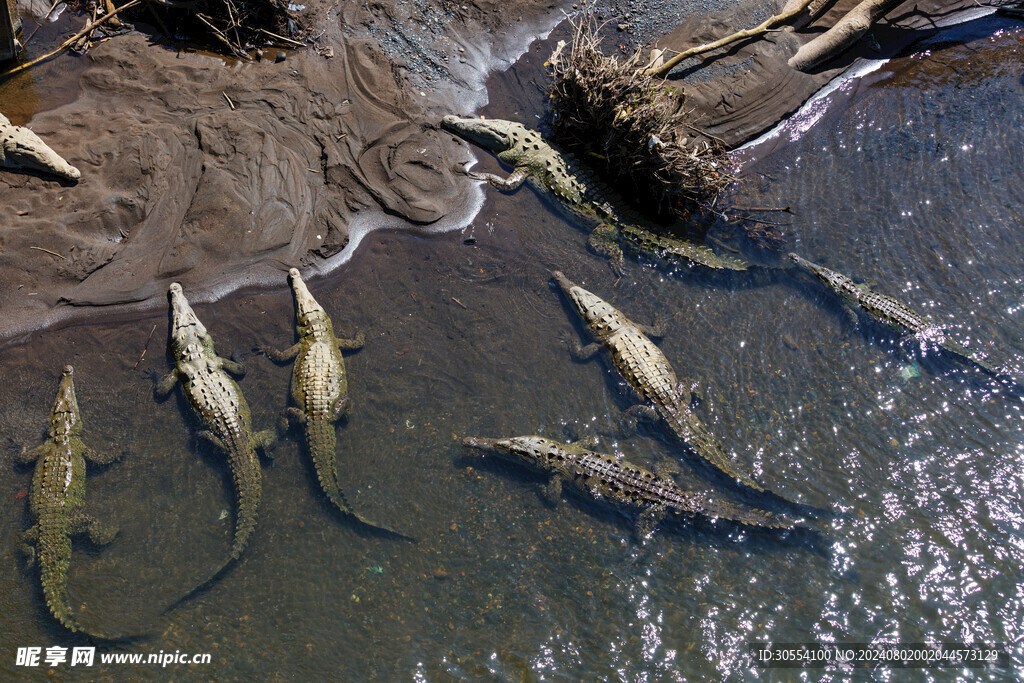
x: 319, y: 388
x: 890, y: 312
x: 55, y: 501
x: 620, y: 483
x: 222, y: 411
x: 648, y: 372
x: 578, y: 190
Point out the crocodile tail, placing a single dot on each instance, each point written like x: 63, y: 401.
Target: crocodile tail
x: 54, y: 549
x: 54, y: 558
x: 694, y: 434
x: 322, y: 442
x: 659, y: 246
x: 747, y: 516
x: 245, y: 474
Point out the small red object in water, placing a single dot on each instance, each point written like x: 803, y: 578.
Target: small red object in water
x: 21, y: 494
x: 402, y: 352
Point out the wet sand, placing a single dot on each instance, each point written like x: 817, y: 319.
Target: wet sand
x: 309, y: 155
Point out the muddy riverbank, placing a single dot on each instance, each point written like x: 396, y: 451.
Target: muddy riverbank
x: 224, y: 175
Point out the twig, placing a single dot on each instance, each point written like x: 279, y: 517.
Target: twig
x: 230, y: 103
x: 72, y: 40
x: 223, y: 38
x: 282, y: 38
x: 41, y: 21
x: 60, y: 256
x: 758, y: 220
x: 459, y: 303
x: 763, y: 208
x: 728, y: 40
x: 144, y: 348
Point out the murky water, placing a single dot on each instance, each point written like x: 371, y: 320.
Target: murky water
x: 913, y: 180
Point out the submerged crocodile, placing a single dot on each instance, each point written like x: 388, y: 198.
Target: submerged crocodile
x: 21, y: 148
x: 319, y: 388
x: 55, y: 501
x: 221, y: 409
x: 648, y: 372
x: 618, y: 482
x: 889, y: 312
x: 579, y: 191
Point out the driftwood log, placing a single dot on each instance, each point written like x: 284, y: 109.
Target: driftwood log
x: 845, y: 33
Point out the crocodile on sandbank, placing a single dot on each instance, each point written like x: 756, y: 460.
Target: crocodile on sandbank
x: 221, y: 409
x: 56, y: 500
x: 648, y: 373
x: 21, y: 148
x: 319, y: 388
x: 580, y: 191
x: 890, y: 312
x: 617, y: 481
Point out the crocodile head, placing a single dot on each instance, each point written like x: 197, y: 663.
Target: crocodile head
x: 836, y: 281
x: 65, y: 418
x: 805, y: 264
x: 186, y: 329
x: 494, y: 135
x: 537, y: 451
x: 599, y: 315
x: 21, y: 148
x: 307, y: 310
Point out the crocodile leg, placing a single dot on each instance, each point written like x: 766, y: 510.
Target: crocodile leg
x: 580, y: 353
x: 604, y: 241
x: 30, y: 456
x: 851, y: 315
x: 211, y: 438
x: 28, y: 543
x: 667, y: 468
x: 98, y: 533
x: 353, y: 343
x: 633, y: 415
x: 232, y: 366
x: 552, y: 491
x: 647, y: 521
x: 587, y: 442
x: 293, y: 416
x: 655, y: 330
x: 340, y: 407
x: 280, y: 356
x: 509, y: 184
x: 694, y: 390
x: 164, y: 387
x: 99, y: 458
x: 265, y: 441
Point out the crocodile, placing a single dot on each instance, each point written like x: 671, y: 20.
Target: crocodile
x: 319, y: 388
x: 648, y: 373
x: 21, y: 148
x: 619, y: 482
x: 222, y: 411
x: 56, y: 500
x: 889, y: 312
x: 580, y: 192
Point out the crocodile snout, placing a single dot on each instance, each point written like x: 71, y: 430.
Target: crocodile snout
x: 478, y: 442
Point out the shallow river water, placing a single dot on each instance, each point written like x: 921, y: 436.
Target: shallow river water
x: 912, y: 179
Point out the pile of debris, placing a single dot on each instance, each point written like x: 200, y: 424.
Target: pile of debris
x: 238, y: 26
x: 632, y: 127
